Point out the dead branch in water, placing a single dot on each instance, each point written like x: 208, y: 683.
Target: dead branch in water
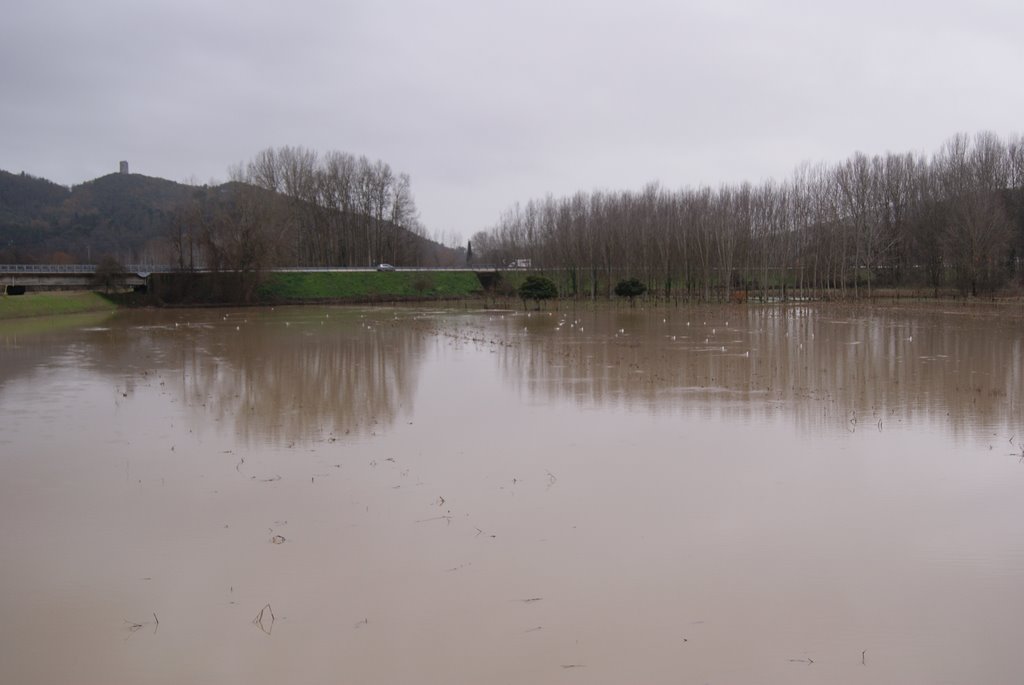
x: 134, y: 626
x: 260, y: 619
x: 436, y: 518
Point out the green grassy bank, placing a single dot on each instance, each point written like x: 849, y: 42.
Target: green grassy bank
x: 52, y: 304
x: 368, y: 286
x: 227, y: 288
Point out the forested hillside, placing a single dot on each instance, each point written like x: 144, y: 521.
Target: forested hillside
x: 125, y: 215
x: 351, y: 212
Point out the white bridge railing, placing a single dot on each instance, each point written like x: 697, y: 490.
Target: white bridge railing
x: 165, y: 268
x: 77, y: 268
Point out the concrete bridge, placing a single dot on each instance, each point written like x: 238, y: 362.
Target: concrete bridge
x: 15, y: 279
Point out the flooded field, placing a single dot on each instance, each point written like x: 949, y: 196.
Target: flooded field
x: 803, y: 494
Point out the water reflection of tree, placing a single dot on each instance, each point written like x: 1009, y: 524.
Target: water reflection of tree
x: 311, y: 378
x: 285, y: 385
x: 820, y: 364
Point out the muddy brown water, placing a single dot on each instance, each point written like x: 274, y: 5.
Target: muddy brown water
x: 709, y: 495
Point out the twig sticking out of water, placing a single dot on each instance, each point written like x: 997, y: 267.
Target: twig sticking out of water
x: 807, y: 661
x: 574, y: 665
x: 360, y: 624
x: 528, y: 600
x: 134, y: 626
x: 436, y: 518
x: 260, y: 619
x: 862, y: 658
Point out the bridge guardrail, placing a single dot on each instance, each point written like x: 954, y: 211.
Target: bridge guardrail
x: 165, y: 268
x: 78, y: 268
x: 47, y: 268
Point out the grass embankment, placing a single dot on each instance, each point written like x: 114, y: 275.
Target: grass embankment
x: 366, y: 286
x: 52, y: 304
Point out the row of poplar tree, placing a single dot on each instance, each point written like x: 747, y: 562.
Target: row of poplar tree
x: 952, y: 219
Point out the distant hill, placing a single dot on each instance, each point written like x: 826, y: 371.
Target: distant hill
x: 117, y: 214
x: 24, y: 197
x: 128, y: 216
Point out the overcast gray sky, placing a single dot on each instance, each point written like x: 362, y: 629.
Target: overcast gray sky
x: 488, y: 103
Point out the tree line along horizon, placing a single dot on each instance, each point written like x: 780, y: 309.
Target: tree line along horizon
x: 951, y: 220
x: 954, y: 219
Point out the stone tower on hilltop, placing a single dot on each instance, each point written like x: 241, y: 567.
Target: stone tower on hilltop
x: 124, y: 167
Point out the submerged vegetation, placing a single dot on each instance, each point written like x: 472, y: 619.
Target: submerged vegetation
x: 631, y: 288
x: 537, y: 288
